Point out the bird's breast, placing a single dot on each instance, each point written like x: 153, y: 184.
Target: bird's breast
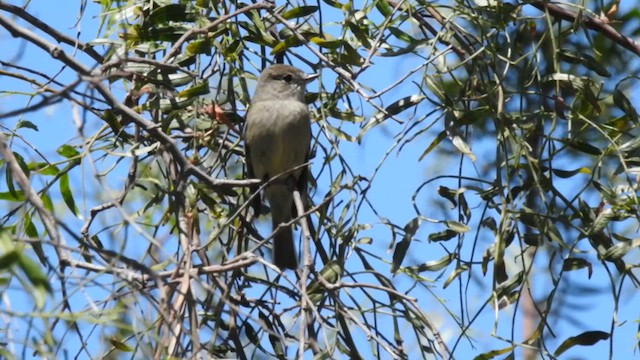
x: 279, y: 135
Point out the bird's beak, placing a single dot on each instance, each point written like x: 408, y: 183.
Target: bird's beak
x: 310, y: 77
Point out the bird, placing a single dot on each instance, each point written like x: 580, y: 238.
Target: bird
x: 277, y: 142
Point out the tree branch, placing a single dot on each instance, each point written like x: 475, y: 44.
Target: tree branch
x: 598, y: 24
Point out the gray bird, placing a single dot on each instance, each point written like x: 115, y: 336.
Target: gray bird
x: 277, y: 139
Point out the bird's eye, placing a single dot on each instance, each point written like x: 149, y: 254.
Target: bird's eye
x: 287, y: 78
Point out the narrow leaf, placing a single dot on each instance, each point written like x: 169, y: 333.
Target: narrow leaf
x: 67, y: 194
x: 586, y: 338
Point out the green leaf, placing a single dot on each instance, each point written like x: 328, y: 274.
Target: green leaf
x: 200, y: 46
x: 584, y: 147
x: 441, y: 136
x: 251, y: 334
x: 584, y: 59
x: 394, y: 109
x: 341, y: 134
x: 298, y: 12
x: 343, y: 115
x: 459, y: 270
x: 586, y: 338
x: 23, y: 164
x: 120, y: 345
x: 401, y: 248
x: 67, y: 194
x: 9, y: 180
x: 196, y: 90
x: 383, y: 7
x: 331, y: 273
x: 291, y: 41
x: 550, y: 230
x: 68, y: 151
x: 625, y: 105
x: 565, y: 174
x: 34, y: 273
x: 493, y: 353
x: 166, y: 105
x: 26, y: 124
x: 44, y: 168
x: 327, y: 43
x: 571, y: 264
x: 443, y: 235
x: 506, y: 287
x: 463, y: 147
x: 405, y: 49
x: 31, y: 231
x: 337, y: 5
x: 46, y: 200
x: 448, y: 194
x: 401, y: 35
x: 435, y: 265
x: 399, y: 253
x: 170, y: 13
x: 348, y: 56
x: 16, y: 196
x: 176, y: 80
x: 361, y: 33
x: 8, y: 259
x: 457, y: 226
x: 620, y: 249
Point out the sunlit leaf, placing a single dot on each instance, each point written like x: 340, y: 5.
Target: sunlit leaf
x: 492, y: 354
x: 298, y: 12
x: 196, y: 90
x: 68, y: 151
x: 459, y: 270
x: 441, y: 136
x: 443, y: 235
x: 435, y: 265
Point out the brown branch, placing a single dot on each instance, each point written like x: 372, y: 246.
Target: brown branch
x: 146, y: 276
x: 598, y: 24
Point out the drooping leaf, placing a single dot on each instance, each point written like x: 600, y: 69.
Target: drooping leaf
x: 67, y: 194
x: 586, y: 338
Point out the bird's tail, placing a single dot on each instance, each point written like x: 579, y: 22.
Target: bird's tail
x: 284, y: 252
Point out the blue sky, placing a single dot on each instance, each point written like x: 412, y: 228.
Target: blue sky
x: 391, y: 193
